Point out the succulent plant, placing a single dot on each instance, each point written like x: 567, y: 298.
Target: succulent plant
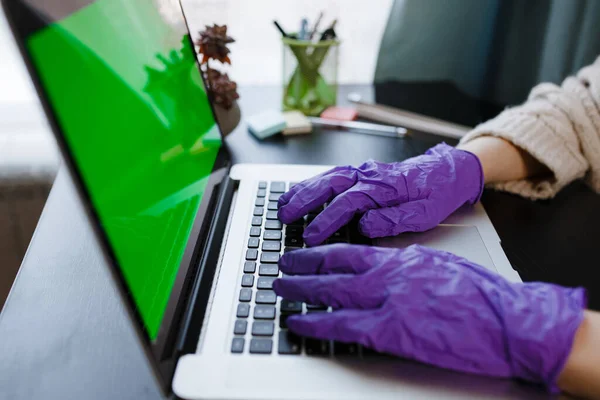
x: 223, y: 89
x: 212, y: 45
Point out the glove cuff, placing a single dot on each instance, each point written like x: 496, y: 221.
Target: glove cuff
x: 579, y: 298
x: 468, y: 170
x: 541, y: 340
x: 481, y: 178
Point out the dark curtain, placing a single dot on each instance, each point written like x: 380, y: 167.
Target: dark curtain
x: 491, y: 52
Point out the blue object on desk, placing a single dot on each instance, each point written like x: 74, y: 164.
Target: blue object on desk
x: 266, y: 123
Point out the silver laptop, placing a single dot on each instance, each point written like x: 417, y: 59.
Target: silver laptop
x: 193, y: 241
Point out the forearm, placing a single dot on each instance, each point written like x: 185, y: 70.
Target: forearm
x: 502, y: 161
x: 581, y: 374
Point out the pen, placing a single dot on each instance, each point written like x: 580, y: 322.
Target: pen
x: 362, y: 127
x: 316, y: 26
x: 283, y: 33
x: 303, y: 34
x: 329, y: 33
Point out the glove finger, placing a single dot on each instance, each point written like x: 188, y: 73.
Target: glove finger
x: 340, y: 211
x: 337, y: 291
x: 414, y: 216
x: 349, y: 326
x: 331, y: 259
x: 285, y: 198
x: 314, y: 192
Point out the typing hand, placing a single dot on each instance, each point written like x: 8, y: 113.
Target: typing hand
x: 410, y: 196
x: 434, y: 307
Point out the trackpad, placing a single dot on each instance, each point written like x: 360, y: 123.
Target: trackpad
x: 462, y: 240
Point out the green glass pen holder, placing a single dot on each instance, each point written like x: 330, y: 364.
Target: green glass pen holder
x: 309, y: 75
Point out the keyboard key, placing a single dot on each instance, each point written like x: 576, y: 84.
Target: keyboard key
x: 271, y: 214
x: 261, y: 193
x: 272, y: 206
x: 298, y: 222
x: 288, y: 249
x: 255, y: 231
x: 266, y: 297
x: 268, y: 270
x: 317, y: 210
x: 253, y: 242
x: 265, y: 282
x: 368, y: 353
x: 283, y: 320
x: 262, y: 185
x: 261, y: 346
x: 245, y: 294
x: 271, y: 245
x: 315, y: 307
x: 263, y: 328
x: 256, y: 221
x: 264, y: 312
x: 247, y: 280
x: 277, y: 187
x: 290, y: 306
x: 268, y: 257
x: 294, y: 241
x: 240, y: 327
x: 273, y: 224
x: 243, y: 310
x: 294, y: 230
x: 342, y: 233
x: 249, y: 267
x: 345, y: 349
x: 251, y: 254
x: 258, y: 211
x: 259, y: 202
x: 237, y: 345
x: 274, y: 196
x: 316, y: 347
x: 272, y: 235
x: 289, y: 343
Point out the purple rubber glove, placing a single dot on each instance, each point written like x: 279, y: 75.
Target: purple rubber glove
x: 434, y: 307
x: 410, y: 196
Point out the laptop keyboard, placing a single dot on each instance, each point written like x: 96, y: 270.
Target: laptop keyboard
x: 260, y: 321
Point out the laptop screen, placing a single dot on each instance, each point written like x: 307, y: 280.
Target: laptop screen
x: 125, y: 88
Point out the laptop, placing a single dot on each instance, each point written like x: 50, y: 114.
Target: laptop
x: 193, y: 240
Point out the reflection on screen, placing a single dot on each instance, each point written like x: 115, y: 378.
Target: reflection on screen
x: 129, y: 98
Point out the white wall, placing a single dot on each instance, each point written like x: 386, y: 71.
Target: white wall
x: 256, y: 55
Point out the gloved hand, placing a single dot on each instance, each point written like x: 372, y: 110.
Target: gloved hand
x: 414, y: 195
x: 434, y: 307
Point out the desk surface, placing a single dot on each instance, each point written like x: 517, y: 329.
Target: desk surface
x: 63, y: 332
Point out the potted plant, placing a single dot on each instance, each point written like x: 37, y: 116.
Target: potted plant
x: 212, y: 46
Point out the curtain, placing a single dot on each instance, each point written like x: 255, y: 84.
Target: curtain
x: 491, y: 50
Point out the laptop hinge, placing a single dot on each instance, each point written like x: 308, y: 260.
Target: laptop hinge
x: 202, y: 282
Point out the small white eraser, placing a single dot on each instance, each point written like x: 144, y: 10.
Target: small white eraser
x: 266, y: 123
x: 296, y: 123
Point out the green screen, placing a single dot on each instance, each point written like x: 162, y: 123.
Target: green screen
x: 125, y: 87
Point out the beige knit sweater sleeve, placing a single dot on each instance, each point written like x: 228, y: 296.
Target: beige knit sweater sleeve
x: 560, y: 127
